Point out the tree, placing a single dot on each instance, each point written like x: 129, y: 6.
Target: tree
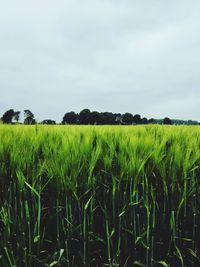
x: 127, y: 118
x: 109, y: 118
x: 144, y: 120
x: 50, y: 122
x: 118, y: 118
x: 137, y: 119
x: 84, y: 116
x: 17, y: 115
x: 96, y: 118
x: 8, y: 116
x: 70, y: 118
x: 29, y: 117
x: 151, y: 121
x: 167, y: 121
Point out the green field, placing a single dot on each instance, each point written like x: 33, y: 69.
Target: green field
x: 99, y: 196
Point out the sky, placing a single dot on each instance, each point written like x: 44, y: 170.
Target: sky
x: 136, y: 56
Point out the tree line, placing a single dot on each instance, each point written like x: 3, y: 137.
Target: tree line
x: 11, y: 116
x: 85, y: 117
x: 100, y: 118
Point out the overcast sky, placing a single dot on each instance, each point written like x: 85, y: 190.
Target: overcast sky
x: 135, y: 56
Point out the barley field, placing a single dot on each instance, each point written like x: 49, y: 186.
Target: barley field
x: 99, y: 196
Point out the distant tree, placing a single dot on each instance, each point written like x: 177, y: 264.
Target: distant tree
x: 109, y: 118
x: 50, y: 122
x: 29, y: 117
x: 127, y: 118
x: 144, y: 120
x: 167, y: 121
x: 137, y: 119
x: 70, y: 118
x: 96, y: 118
x: 16, y: 115
x: 101, y: 118
x: 191, y: 122
x: 151, y: 121
x: 118, y: 118
x: 8, y: 116
x: 84, y: 116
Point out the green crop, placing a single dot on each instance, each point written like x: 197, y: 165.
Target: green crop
x: 99, y: 196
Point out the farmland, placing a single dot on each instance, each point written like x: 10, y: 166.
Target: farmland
x: 99, y: 196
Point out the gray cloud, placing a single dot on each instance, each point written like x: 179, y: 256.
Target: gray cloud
x: 136, y: 56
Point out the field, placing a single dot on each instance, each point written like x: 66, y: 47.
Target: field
x: 99, y: 196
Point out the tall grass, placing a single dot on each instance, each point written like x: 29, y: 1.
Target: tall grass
x: 99, y: 196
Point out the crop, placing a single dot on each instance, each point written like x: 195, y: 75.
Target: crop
x: 99, y: 196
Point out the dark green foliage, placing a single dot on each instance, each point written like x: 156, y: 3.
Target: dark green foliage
x: 49, y: 122
x: 8, y: 116
x: 167, y: 121
x: 144, y: 120
x: 127, y: 118
x: 137, y: 119
x: 84, y: 116
x: 70, y: 118
x: 17, y: 115
x: 109, y: 118
x: 151, y: 121
x: 97, y: 118
x: 28, y: 117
